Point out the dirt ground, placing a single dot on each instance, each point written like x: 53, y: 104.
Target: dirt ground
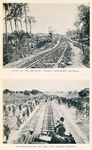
x: 18, y: 63
x: 79, y: 128
x: 76, y: 57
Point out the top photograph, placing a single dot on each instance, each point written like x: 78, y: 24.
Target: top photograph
x: 46, y: 35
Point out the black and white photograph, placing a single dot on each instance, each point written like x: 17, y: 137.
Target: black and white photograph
x: 46, y: 35
x: 44, y: 111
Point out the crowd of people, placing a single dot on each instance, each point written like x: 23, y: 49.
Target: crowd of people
x: 82, y: 110
x: 20, y: 112
x: 23, y: 110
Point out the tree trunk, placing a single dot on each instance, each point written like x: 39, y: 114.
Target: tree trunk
x: 30, y: 27
x: 26, y: 26
x: 26, y: 19
x: 10, y: 22
x: 11, y: 26
x: 6, y: 34
x: 15, y: 25
x: 21, y: 23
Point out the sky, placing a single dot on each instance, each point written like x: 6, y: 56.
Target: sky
x: 45, y: 85
x: 59, y: 15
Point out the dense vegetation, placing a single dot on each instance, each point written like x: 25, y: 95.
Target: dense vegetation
x: 20, y: 43
x: 25, y: 92
x: 82, y: 24
x: 81, y: 35
x: 79, y: 100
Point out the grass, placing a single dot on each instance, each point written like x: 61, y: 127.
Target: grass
x: 10, y: 99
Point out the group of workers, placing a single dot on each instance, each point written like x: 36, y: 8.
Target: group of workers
x: 59, y: 128
x: 19, y: 112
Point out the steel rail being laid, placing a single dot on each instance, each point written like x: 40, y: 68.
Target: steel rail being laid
x: 48, y: 122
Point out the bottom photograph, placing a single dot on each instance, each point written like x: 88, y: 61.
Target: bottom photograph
x: 46, y: 111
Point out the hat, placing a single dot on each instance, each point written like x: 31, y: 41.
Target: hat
x: 62, y: 119
x: 31, y: 131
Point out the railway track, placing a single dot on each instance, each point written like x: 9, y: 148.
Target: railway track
x: 31, y: 124
x: 47, y: 125
x: 48, y: 122
x: 51, y: 113
x: 48, y: 59
x: 39, y: 57
x: 43, y: 122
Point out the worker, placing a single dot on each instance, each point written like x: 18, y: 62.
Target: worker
x: 60, y: 129
x: 23, y: 115
x: 19, y: 122
x: 27, y: 110
x: 77, y: 112
x: 6, y: 132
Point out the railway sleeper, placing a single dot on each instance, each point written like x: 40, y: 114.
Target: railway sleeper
x: 48, y: 128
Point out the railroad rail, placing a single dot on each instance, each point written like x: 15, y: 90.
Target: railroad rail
x: 48, y: 122
x: 47, y: 125
x: 56, y: 65
x: 45, y: 58
x: 25, y: 137
x: 42, y: 56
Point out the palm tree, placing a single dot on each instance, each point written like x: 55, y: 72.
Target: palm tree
x: 31, y: 20
x: 26, y: 8
x: 15, y: 13
x: 12, y: 14
x: 6, y: 8
x: 9, y: 18
x: 21, y: 16
x: 22, y: 9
